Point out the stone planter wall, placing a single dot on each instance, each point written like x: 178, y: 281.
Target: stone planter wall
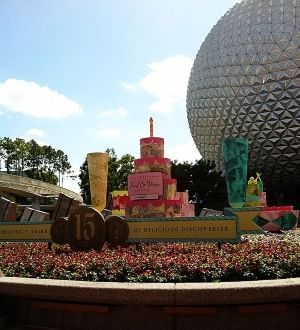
x: 58, y: 304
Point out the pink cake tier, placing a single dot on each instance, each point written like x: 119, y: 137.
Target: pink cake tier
x: 153, y: 208
x: 152, y: 147
x: 153, y: 164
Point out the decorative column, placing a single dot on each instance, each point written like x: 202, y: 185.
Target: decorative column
x: 98, y: 170
x: 235, y: 153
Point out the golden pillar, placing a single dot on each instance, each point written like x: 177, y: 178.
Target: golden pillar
x: 98, y: 170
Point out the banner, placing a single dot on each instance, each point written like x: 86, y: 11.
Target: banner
x: 25, y: 231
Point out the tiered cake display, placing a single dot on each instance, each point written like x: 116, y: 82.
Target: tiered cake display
x: 151, y: 190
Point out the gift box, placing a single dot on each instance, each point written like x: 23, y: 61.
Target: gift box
x: 277, y: 218
x: 119, y: 201
x: 170, y: 188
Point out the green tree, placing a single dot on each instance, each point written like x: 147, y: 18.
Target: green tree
x: 15, y: 154
x: 126, y: 166
x: 205, y: 185
x: 49, y: 160
x: 35, y: 159
x: 21, y: 155
x: 112, y: 177
x: 84, y: 183
x: 118, y: 170
x: 2, y: 153
x: 62, y: 165
x: 37, y: 162
x: 7, y: 153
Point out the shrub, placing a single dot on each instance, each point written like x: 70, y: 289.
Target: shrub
x: 257, y: 257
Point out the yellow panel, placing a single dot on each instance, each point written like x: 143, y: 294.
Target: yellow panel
x: 116, y: 193
x: 207, y: 229
x: 246, y: 220
x: 25, y: 232
x: 118, y: 212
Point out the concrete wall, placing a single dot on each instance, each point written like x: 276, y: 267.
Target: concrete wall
x: 87, y: 305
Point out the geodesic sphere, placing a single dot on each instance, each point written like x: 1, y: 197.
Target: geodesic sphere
x: 245, y: 81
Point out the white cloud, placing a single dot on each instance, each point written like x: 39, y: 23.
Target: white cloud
x: 1, y: 113
x: 127, y: 86
x: 109, y: 133
x: 35, y: 132
x: 29, y: 98
x: 37, y: 135
x: 184, y: 152
x: 114, y: 113
x: 168, y: 82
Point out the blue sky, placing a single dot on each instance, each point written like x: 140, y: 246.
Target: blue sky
x: 84, y: 76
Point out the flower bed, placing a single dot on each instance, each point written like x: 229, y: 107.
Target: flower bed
x: 255, y: 258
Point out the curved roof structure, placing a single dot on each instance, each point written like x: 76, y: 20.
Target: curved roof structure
x: 27, y: 187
